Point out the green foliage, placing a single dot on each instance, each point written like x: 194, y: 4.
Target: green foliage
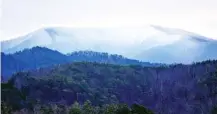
x: 138, y: 109
x: 47, y: 109
x: 62, y: 109
x: 211, y: 83
x: 5, y: 109
x: 110, y: 109
x: 123, y: 109
x: 11, y: 95
x: 75, y: 109
x: 87, y: 108
x: 214, y: 110
x: 164, y: 89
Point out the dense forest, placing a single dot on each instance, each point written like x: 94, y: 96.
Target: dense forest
x: 76, y: 108
x: 174, y: 89
x: 38, y: 57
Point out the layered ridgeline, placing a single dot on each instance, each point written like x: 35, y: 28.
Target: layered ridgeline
x: 176, y: 89
x: 151, y: 43
x: 38, y: 57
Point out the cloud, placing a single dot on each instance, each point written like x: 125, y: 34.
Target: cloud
x: 19, y: 17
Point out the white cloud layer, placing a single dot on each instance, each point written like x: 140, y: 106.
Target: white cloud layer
x: 22, y: 16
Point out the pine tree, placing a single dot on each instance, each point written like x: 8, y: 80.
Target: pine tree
x: 138, y: 109
x: 5, y: 109
x: 75, y: 109
x: 214, y: 110
x: 87, y: 108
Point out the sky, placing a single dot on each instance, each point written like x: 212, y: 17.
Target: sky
x: 18, y: 17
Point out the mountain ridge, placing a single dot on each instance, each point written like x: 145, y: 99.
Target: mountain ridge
x: 38, y: 57
x: 130, y: 42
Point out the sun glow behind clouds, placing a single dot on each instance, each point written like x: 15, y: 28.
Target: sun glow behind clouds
x: 21, y: 17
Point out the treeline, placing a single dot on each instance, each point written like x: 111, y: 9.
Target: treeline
x: 38, y: 57
x: 176, y: 89
x: 20, y: 104
x: 76, y: 108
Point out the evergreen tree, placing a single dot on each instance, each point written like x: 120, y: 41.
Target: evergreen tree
x: 47, y: 110
x: 123, y: 109
x: 138, y: 109
x: 214, y: 110
x: 109, y: 109
x: 5, y: 109
x: 75, y: 109
x: 87, y: 108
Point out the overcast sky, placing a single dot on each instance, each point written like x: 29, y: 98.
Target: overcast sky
x: 22, y: 16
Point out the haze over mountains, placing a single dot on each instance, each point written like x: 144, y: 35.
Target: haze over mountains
x: 39, y: 57
x: 150, y: 43
x: 58, y: 66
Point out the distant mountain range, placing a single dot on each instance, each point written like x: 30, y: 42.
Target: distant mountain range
x: 151, y: 43
x: 37, y: 57
x: 105, y: 66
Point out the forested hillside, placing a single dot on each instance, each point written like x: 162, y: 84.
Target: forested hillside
x: 175, y: 89
x: 39, y: 57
